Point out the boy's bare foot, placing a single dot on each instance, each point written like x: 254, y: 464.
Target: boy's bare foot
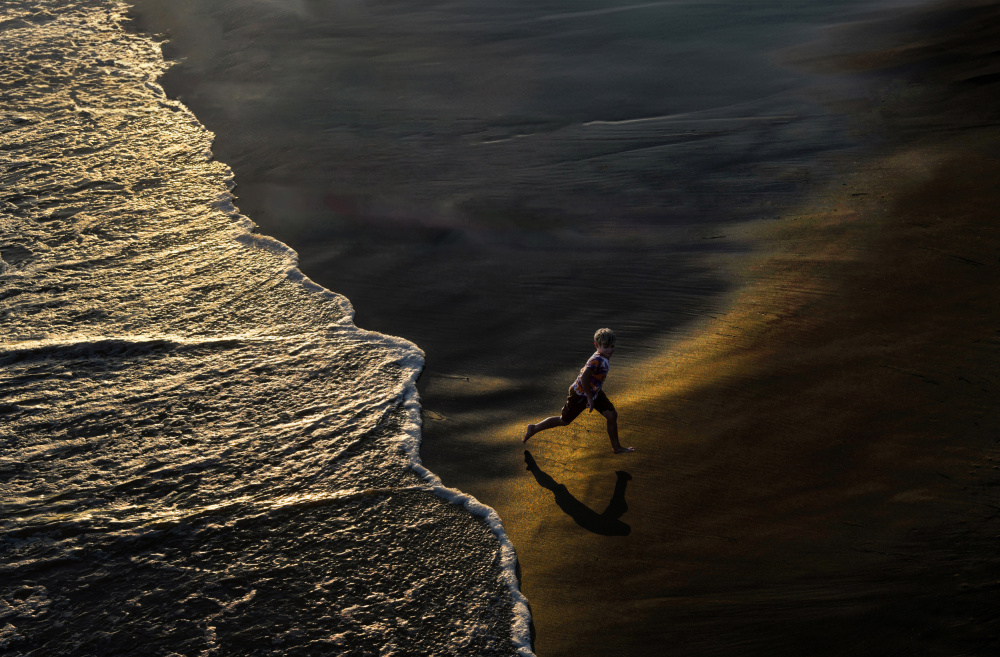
x: 621, y: 450
x: 528, y: 433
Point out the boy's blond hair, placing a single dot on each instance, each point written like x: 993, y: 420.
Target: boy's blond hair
x: 604, y: 337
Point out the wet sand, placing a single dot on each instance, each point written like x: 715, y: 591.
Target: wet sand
x: 817, y: 451
x: 817, y: 463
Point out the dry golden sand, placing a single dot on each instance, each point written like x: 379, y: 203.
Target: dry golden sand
x: 817, y: 465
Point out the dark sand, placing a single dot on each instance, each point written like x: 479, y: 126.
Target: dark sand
x: 818, y: 466
x: 817, y: 453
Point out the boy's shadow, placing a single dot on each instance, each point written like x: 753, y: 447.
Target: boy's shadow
x: 607, y: 523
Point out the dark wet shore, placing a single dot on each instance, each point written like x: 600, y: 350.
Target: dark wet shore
x: 815, y: 416
x: 818, y: 463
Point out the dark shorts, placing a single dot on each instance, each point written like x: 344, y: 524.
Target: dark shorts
x: 576, y: 404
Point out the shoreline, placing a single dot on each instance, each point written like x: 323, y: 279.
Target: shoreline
x: 409, y: 440
x: 796, y: 493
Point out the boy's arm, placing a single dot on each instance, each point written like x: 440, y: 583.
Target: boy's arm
x: 585, y: 384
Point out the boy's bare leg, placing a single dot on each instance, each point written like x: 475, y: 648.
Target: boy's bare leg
x: 612, y: 417
x: 547, y: 423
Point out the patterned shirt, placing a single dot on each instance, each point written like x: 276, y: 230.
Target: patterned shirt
x: 598, y: 366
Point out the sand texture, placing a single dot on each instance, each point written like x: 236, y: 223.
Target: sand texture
x: 815, y: 413
x: 817, y: 463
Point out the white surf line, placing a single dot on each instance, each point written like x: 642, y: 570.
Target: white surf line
x: 141, y: 339
x: 119, y: 517
x: 407, y: 355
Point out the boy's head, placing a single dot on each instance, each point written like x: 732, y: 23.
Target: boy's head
x: 604, y: 340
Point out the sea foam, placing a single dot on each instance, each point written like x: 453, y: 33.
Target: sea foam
x: 201, y: 451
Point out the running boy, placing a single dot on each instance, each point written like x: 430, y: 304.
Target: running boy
x: 586, y: 393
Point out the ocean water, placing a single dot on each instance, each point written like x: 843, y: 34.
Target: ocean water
x: 199, y: 452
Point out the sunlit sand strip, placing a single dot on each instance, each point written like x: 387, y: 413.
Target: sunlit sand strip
x: 777, y: 282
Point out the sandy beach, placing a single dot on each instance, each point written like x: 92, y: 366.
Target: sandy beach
x: 817, y: 463
x: 817, y: 456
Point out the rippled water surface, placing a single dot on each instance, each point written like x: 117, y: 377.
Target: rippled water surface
x: 201, y: 454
